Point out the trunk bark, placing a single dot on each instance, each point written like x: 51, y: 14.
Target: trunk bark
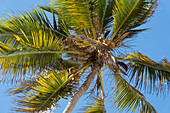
x: 79, y: 93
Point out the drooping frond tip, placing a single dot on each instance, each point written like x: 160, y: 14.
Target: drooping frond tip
x: 148, y: 74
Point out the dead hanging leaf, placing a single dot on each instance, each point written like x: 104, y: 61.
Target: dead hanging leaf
x: 123, y: 65
x: 105, y: 35
x: 122, y: 37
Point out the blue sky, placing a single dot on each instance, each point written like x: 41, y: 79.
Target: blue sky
x: 153, y: 43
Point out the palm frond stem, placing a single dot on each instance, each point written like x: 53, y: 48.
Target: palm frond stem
x: 101, y: 82
x: 91, y: 22
x: 102, y: 21
x: 41, y: 52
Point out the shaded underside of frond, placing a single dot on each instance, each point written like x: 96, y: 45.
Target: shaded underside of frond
x: 148, y: 74
x: 46, y: 91
x: 131, y: 14
x: 127, y: 97
x: 22, y: 67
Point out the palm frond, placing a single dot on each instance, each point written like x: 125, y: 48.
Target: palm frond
x: 94, y: 15
x: 20, y: 67
x: 148, y: 74
x: 33, y: 54
x: 44, y: 93
x: 104, y: 11
x: 24, y: 87
x: 46, y: 90
x: 131, y: 14
x: 28, y: 22
x: 61, y: 25
x: 127, y: 97
x: 76, y: 12
x: 96, y: 107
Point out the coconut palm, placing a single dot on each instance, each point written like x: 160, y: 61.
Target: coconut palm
x: 49, y: 55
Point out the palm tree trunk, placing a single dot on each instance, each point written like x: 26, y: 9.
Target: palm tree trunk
x: 84, y: 87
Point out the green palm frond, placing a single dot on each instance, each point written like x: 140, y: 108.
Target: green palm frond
x: 60, y: 24
x: 6, y: 48
x: 96, y: 107
x: 148, y: 74
x: 34, y: 54
x: 63, y: 26
x: 127, y: 97
x: 28, y: 22
x: 20, y: 65
x: 94, y: 15
x: 46, y: 91
x: 41, y: 40
x: 104, y: 10
x: 76, y: 12
x: 131, y: 14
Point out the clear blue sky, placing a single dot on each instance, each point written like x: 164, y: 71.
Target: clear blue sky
x: 153, y: 43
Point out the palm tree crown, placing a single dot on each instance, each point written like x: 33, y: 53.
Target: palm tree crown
x: 84, y: 39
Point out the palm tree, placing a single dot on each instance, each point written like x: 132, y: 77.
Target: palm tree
x: 49, y: 55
